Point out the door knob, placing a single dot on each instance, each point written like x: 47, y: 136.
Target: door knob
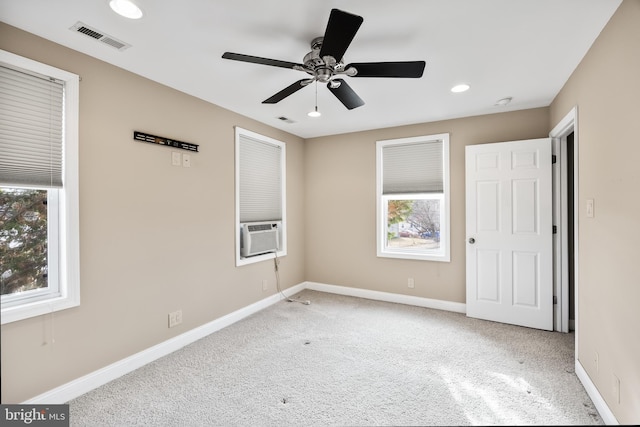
x: 472, y: 240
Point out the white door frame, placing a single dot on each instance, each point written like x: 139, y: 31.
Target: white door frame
x: 561, y: 248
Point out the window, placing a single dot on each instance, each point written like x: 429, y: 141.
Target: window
x: 39, y: 268
x: 413, y: 198
x: 260, y: 197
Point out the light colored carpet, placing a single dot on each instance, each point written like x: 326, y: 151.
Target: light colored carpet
x: 350, y: 361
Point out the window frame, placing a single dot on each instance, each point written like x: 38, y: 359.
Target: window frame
x: 382, y: 250
x: 63, y: 224
x: 53, y: 238
x: 240, y: 261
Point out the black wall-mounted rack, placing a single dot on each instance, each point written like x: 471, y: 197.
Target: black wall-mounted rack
x: 160, y: 140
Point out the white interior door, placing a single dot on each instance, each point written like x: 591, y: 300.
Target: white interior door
x: 509, y: 232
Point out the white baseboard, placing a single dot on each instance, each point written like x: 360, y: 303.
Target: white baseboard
x: 389, y: 297
x: 602, y: 407
x: 82, y: 385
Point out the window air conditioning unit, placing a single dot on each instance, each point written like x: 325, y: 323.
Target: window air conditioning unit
x: 259, y: 238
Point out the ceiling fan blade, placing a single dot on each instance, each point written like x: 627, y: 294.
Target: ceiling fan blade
x: 286, y: 92
x: 408, y: 69
x: 345, y: 94
x: 341, y: 29
x: 258, y: 60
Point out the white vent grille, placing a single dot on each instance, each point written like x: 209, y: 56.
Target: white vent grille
x: 100, y: 36
x: 259, y: 238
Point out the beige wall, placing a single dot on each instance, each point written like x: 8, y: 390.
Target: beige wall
x: 129, y: 188
x: 341, y: 205
x: 154, y: 238
x: 606, y: 89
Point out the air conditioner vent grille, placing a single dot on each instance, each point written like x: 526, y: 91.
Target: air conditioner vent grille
x: 100, y: 36
x: 258, y: 238
x: 259, y: 227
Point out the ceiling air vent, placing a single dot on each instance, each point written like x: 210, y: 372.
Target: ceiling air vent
x: 81, y: 28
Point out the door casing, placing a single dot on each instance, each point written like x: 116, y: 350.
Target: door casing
x: 559, y: 135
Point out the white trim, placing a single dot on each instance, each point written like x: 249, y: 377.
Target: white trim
x: 240, y: 261
x: 69, y: 225
x: 568, y: 124
x: 560, y: 238
x: 602, y: 407
x: 444, y: 254
x: 439, y: 254
x: 389, y: 297
x: 565, y: 125
x: 86, y: 383
x: 82, y: 385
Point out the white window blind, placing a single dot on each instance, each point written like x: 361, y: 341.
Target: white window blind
x: 31, y: 129
x: 260, y: 180
x: 415, y: 167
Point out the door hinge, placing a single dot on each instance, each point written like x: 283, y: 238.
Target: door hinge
x: 555, y: 229
x: 554, y: 158
x: 555, y: 299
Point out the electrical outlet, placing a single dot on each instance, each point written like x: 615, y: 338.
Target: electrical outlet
x: 411, y: 283
x: 265, y: 284
x: 186, y: 161
x: 175, y: 318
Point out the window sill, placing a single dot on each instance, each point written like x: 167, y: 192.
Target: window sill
x: 258, y: 258
x: 33, y: 309
x: 414, y: 256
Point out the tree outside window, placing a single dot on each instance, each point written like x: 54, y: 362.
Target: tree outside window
x: 413, y: 223
x: 23, y: 240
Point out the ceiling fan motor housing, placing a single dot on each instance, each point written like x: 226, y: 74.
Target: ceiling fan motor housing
x: 321, y: 68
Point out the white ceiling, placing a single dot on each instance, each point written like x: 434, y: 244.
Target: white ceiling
x: 525, y: 49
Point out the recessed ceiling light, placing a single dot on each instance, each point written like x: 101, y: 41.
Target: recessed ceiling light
x: 504, y: 101
x: 126, y: 8
x: 460, y: 88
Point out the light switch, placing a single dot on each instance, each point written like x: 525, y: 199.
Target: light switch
x: 175, y: 158
x: 186, y: 161
x: 590, y: 213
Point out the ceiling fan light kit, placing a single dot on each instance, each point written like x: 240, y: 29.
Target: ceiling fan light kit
x: 325, y: 63
x: 314, y: 113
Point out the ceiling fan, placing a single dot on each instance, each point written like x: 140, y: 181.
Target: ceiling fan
x: 325, y: 63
